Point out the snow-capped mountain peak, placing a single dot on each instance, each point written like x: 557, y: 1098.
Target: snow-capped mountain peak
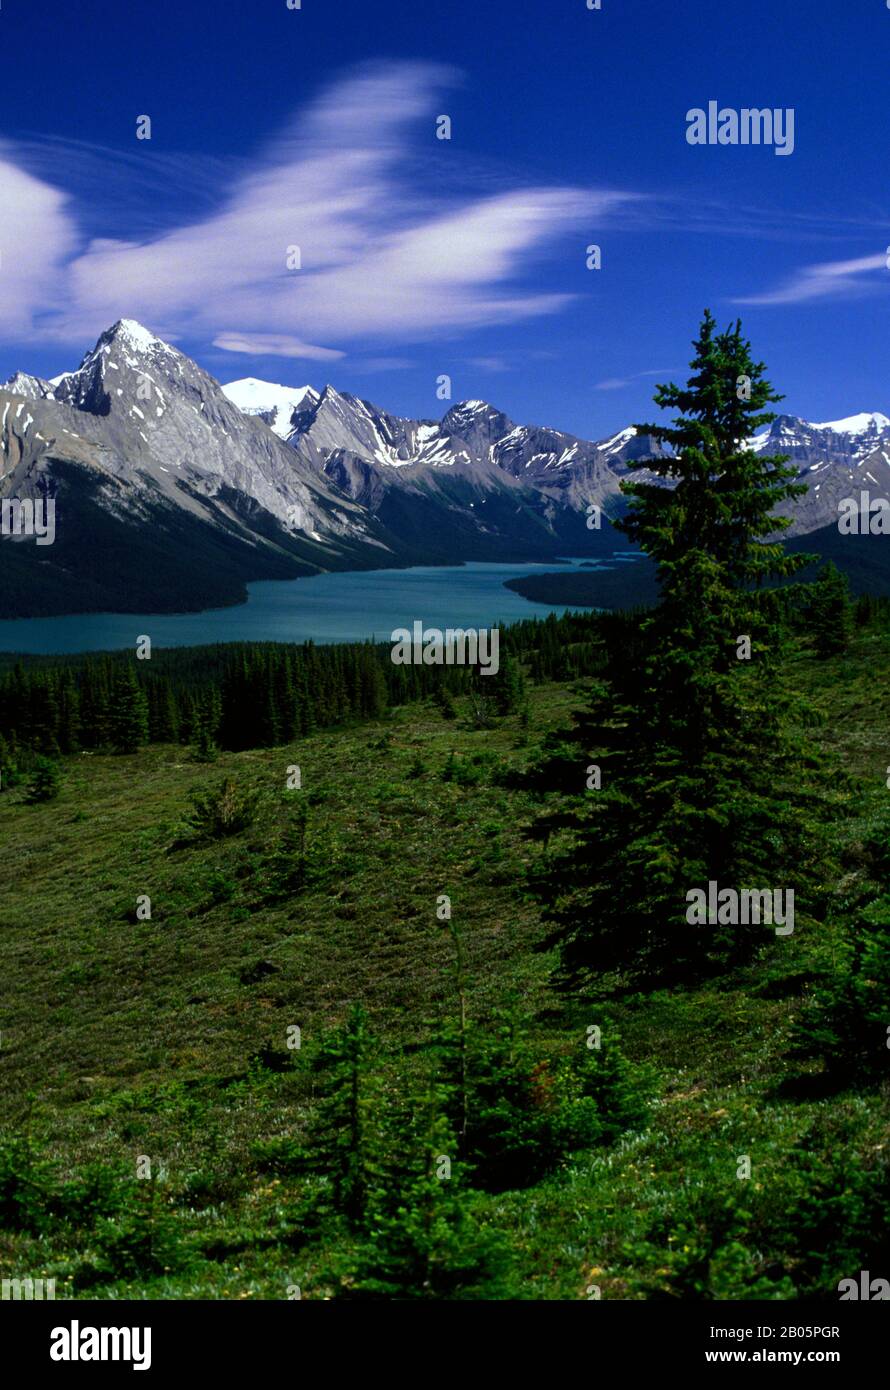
x: 850, y: 438
x: 130, y: 342
x: 863, y: 423
x: 619, y: 440
x: 476, y: 423
x: 133, y: 335
x: 126, y: 356
x: 273, y: 403
x: 147, y: 415
x: 33, y: 387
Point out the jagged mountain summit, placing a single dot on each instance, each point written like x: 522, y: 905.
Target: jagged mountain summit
x: 33, y: 388
x: 167, y: 496
x: 159, y: 422
x: 844, y: 440
x: 468, y: 432
x: 837, y: 459
x: 472, y: 484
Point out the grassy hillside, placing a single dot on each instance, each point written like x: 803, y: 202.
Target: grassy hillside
x: 166, y: 1038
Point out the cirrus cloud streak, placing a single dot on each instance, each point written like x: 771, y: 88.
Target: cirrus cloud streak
x: 831, y: 279
x: 355, y: 183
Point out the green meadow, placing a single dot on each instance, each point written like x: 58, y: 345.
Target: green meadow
x: 158, y: 1128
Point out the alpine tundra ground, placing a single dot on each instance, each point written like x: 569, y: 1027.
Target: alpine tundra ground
x: 164, y: 1039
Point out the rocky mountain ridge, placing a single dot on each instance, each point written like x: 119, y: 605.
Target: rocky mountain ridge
x: 172, y: 491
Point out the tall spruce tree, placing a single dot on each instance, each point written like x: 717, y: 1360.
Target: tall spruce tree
x: 69, y: 714
x: 423, y: 1238
x: 163, y: 716
x: 830, y: 612
x: 697, y: 780
x: 714, y: 536
x: 344, y: 1142
x: 45, y: 783
x: 508, y: 686
x: 128, y: 715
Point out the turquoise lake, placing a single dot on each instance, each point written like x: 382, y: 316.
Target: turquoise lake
x: 346, y: 607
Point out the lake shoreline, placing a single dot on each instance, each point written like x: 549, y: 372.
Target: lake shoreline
x: 336, y: 606
x: 244, y: 598
x: 626, y: 582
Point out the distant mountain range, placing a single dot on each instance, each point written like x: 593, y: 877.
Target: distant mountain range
x: 172, y: 491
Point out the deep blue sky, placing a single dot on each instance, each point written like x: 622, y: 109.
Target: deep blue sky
x: 552, y: 96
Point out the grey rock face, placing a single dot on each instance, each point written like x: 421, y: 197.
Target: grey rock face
x: 163, y: 422
x: 834, y: 461
x: 547, y: 470
x: 370, y: 452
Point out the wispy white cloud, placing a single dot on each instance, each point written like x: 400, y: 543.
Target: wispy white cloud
x: 615, y: 383
x: 384, y: 253
x: 274, y: 345
x: 36, y: 238
x: 489, y: 364
x: 381, y: 364
x: 837, y: 279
